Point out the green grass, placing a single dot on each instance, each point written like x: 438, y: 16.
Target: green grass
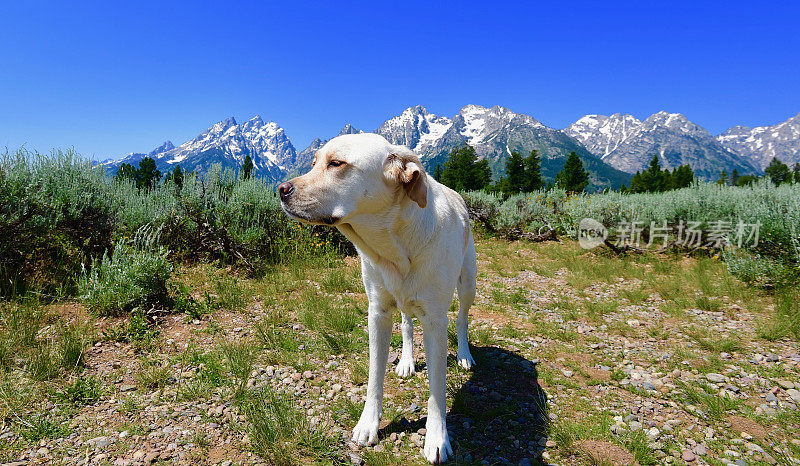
x: 240, y: 356
x: 710, y: 341
x: 713, y: 405
x: 152, y: 375
x: 336, y: 324
x: 341, y: 281
x: 42, y: 426
x: 281, y: 433
x: 83, y: 390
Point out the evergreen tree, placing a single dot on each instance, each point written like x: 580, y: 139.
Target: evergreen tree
x: 638, y: 184
x: 533, y: 173
x: 437, y: 174
x: 681, y: 177
x: 778, y: 171
x: 177, y: 177
x: 481, y: 175
x: 735, y: 177
x: 128, y: 172
x: 573, y: 177
x: 148, y: 174
x: 797, y: 172
x: 515, y: 175
x: 463, y: 171
x: 723, y: 178
x: 247, y: 167
x: 654, y: 179
x: 745, y: 180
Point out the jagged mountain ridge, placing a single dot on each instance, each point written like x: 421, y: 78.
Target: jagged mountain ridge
x: 763, y: 143
x: 228, y: 143
x: 612, y: 147
x: 629, y: 144
x: 495, y: 133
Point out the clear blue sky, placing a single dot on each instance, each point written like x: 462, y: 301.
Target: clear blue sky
x: 109, y: 78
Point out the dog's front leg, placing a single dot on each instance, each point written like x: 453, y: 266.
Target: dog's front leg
x: 380, y: 332
x: 437, y: 444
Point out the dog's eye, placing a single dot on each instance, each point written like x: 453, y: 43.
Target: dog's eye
x: 335, y: 163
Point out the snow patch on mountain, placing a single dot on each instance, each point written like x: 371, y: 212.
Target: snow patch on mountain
x: 764, y: 143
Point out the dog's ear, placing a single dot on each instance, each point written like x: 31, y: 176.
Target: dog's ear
x: 407, y: 170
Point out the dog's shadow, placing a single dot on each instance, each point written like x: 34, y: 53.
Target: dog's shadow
x: 498, y: 412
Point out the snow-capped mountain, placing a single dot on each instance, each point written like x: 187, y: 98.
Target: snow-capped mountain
x: 763, y: 143
x: 629, y: 144
x: 494, y: 133
x: 228, y: 143
x: 416, y: 129
x: 602, y: 134
x: 611, y: 147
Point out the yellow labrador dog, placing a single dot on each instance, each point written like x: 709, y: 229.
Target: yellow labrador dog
x: 414, y: 240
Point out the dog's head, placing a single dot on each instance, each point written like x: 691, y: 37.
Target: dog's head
x: 355, y: 174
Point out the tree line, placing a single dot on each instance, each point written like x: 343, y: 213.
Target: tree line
x: 463, y: 171
x: 147, y: 175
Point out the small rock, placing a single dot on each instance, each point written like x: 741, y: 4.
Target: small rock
x: 688, y: 456
x: 785, y: 384
x: 715, y: 378
x: 700, y: 450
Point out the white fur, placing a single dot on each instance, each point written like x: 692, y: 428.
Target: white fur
x: 412, y: 258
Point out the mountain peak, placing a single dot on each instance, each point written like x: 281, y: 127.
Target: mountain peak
x: 349, y: 129
x: 764, y: 143
x: 166, y: 146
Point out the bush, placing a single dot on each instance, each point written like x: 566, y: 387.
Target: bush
x: 56, y: 212
x: 135, y: 275
x: 775, y: 209
x: 754, y: 269
x: 59, y: 213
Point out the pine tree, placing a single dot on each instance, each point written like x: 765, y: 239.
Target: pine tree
x: 515, y: 175
x: 681, y: 177
x: 437, y: 174
x: 735, y: 177
x: 247, y: 167
x: 573, y: 178
x: 797, y: 172
x: 128, y: 172
x: 148, y: 174
x: 638, y: 184
x: 655, y: 179
x: 533, y: 173
x: 177, y: 177
x: 463, y: 171
x: 778, y: 171
x: 723, y: 178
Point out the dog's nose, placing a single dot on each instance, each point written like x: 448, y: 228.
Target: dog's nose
x: 286, y: 189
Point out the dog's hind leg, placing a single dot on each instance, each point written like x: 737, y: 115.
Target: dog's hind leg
x: 466, y: 296
x: 405, y: 367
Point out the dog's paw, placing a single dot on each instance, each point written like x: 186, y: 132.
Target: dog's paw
x: 405, y: 368
x: 437, y: 446
x: 366, y: 431
x: 465, y: 360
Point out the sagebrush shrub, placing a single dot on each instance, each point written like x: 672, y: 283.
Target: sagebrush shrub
x: 134, y: 275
